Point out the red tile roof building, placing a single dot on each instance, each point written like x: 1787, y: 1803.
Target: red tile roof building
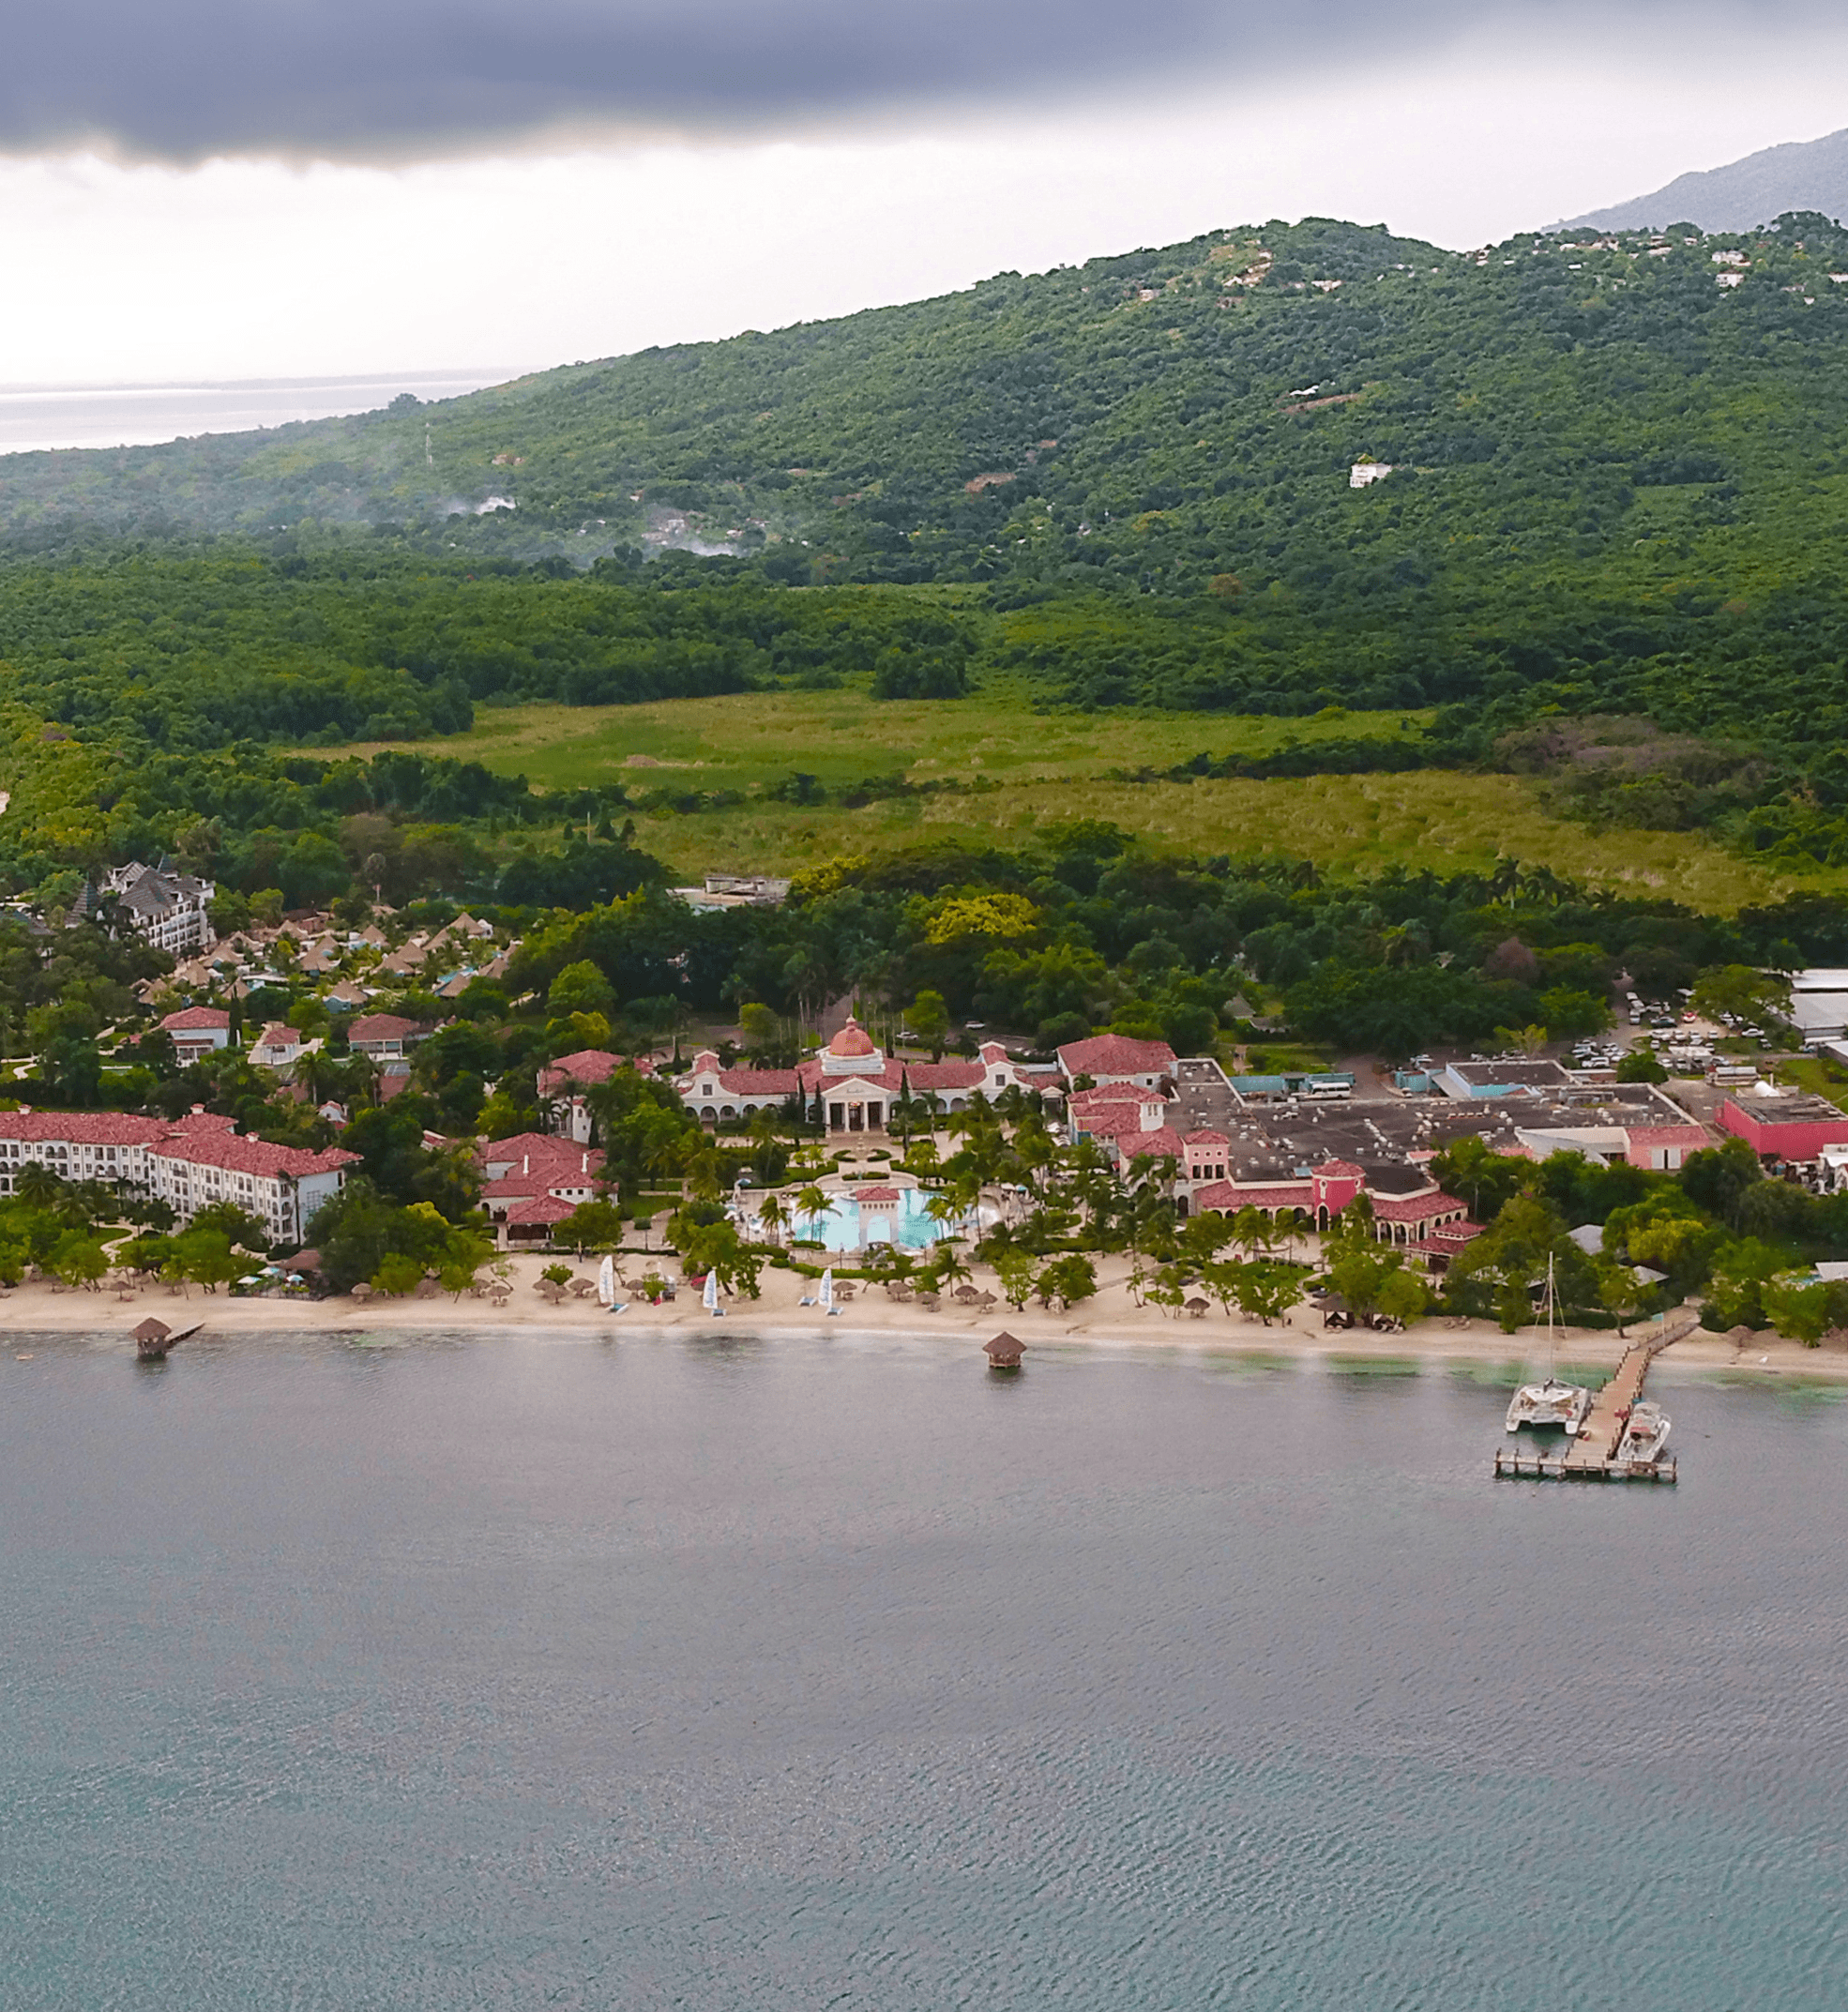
x: 384, y: 1035
x: 197, y: 1031
x: 561, y: 1085
x: 1116, y: 1058
x: 531, y: 1168
x: 856, y: 1084
x: 188, y: 1163
x: 1410, y: 1215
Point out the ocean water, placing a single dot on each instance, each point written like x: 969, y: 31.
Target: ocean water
x: 700, y: 1670
x: 33, y: 418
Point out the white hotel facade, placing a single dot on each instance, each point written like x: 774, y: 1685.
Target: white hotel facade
x: 188, y: 1163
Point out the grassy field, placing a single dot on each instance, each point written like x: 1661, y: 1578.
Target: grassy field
x: 1053, y: 768
x: 1818, y: 1075
x: 754, y: 740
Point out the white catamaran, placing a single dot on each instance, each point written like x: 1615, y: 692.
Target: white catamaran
x: 1549, y: 1406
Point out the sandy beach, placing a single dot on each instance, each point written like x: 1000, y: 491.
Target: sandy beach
x: 1111, y: 1320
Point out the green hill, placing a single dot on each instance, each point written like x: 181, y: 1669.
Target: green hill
x: 1618, y: 490
x: 1153, y: 419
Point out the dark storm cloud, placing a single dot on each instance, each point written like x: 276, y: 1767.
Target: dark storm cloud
x: 189, y: 77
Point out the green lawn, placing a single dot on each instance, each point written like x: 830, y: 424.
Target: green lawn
x: 1819, y: 1076
x: 751, y: 740
x: 1056, y: 766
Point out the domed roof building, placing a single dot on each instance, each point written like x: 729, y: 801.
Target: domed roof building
x: 854, y: 1085
x: 853, y: 1053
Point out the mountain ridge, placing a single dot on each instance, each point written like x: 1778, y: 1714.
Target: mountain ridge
x: 1741, y: 195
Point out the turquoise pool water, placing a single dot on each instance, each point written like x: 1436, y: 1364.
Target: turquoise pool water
x: 847, y: 1227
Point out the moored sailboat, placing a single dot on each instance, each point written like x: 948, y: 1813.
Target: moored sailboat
x: 1551, y: 1405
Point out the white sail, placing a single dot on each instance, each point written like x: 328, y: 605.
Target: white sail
x: 709, y: 1299
x: 825, y: 1296
x: 606, y: 1282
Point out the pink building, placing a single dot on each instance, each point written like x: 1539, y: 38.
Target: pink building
x: 1785, y: 1128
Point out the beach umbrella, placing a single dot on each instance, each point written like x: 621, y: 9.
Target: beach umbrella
x: 825, y: 1298
x: 709, y: 1298
x: 606, y: 1281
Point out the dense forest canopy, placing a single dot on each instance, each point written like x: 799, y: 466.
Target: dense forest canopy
x: 1618, y: 493
x: 1605, y: 409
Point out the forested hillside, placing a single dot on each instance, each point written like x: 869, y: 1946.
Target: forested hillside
x: 1606, y: 419
x: 1618, y: 493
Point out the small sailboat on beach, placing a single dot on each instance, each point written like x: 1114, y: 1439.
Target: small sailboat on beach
x: 709, y: 1298
x: 1550, y: 1405
x: 825, y: 1298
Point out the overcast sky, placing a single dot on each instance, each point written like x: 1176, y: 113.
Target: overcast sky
x: 214, y: 188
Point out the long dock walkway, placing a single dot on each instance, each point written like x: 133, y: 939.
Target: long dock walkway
x: 1593, y: 1453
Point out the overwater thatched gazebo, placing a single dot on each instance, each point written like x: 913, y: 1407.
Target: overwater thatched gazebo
x: 1004, y: 1352
x: 151, y: 1339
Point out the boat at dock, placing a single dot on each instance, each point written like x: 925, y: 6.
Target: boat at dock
x: 1550, y: 1406
x: 1645, y: 1434
x: 1623, y: 1439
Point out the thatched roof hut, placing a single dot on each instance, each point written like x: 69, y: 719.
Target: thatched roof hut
x: 152, y: 1330
x: 1004, y: 1352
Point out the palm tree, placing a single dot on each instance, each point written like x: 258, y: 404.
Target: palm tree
x: 812, y: 1202
x: 773, y: 1214
x: 944, y: 1210
x: 36, y: 1185
x: 1252, y: 1230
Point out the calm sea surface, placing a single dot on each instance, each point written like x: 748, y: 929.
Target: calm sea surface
x: 713, y: 1673
x: 142, y: 415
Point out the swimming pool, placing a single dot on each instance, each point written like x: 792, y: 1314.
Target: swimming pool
x: 849, y: 1226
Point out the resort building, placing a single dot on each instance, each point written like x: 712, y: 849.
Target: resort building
x: 532, y: 1181
x: 1783, y: 1124
x: 854, y: 1085
x: 563, y: 1083
x: 197, y: 1031
x: 188, y: 1163
x: 168, y: 909
x: 1409, y: 1207
x: 1107, y: 1058
x: 385, y: 1037
x: 277, y: 1047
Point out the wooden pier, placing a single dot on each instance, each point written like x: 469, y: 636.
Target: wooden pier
x: 1592, y: 1454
